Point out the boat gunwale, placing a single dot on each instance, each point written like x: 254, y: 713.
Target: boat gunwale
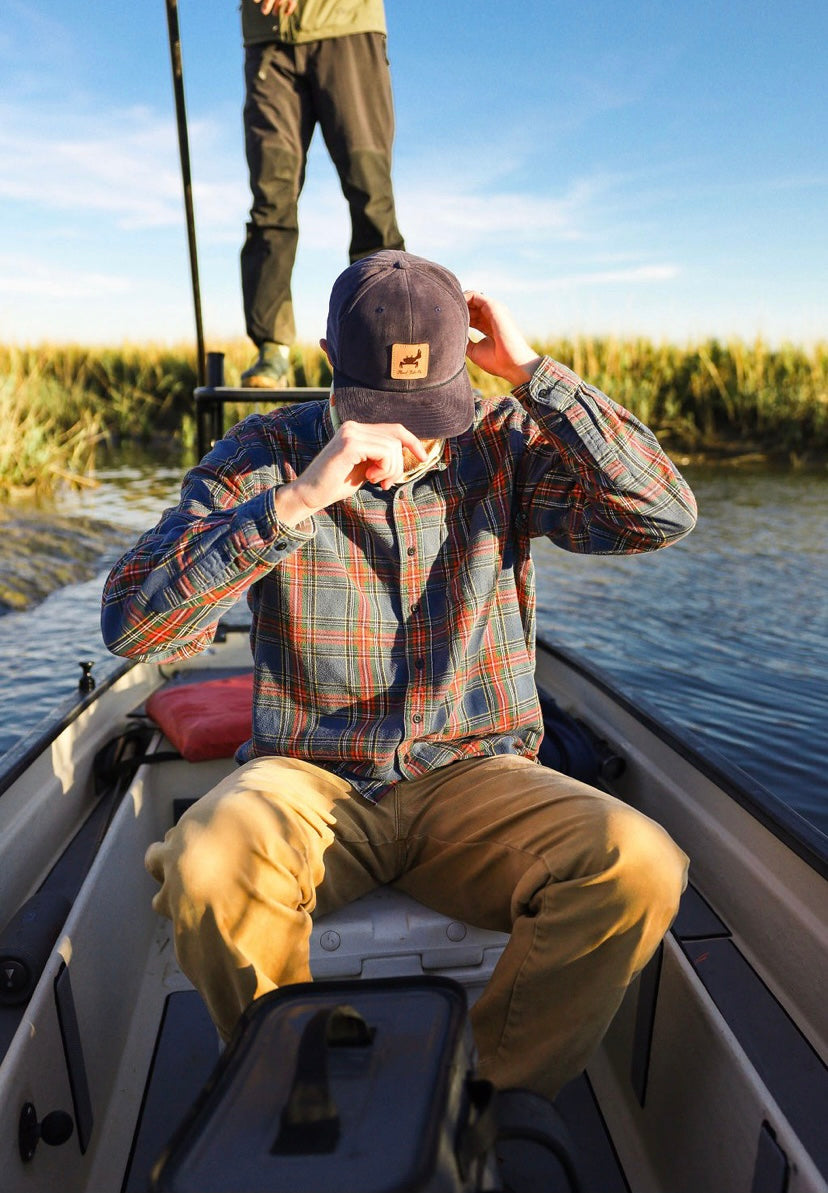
x: 792, y: 829
x: 24, y: 752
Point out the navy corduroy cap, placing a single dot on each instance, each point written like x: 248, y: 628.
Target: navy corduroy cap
x: 397, y: 336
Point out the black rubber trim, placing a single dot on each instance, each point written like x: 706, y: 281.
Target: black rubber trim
x: 645, y: 1023
x: 73, y: 1052
x: 696, y: 919
x: 771, y: 1172
x: 186, y: 1051
x: 597, y: 1154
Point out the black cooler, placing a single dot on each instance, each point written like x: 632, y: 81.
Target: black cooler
x: 347, y: 1087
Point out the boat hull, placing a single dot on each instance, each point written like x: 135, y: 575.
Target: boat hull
x: 712, y: 1076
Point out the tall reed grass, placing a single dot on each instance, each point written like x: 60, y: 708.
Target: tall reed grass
x: 713, y: 398
x: 716, y: 398
x: 41, y: 442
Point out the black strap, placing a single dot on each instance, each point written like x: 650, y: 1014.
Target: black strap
x: 477, y: 1135
x: 310, y: 1118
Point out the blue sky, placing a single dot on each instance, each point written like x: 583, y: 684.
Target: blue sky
x: 604, y: 168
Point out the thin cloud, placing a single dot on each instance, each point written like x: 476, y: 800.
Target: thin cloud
x: 35, y: 280
x: 124, y: 166
x: 635, y: 275
x: 505, y: 282
x: 464, y: 205
x: 444, y: 218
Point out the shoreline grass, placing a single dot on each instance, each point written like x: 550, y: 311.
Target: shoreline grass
x: 708, y: 400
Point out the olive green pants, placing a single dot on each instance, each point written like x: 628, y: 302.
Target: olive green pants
x: 585, y: 885
x: 343, y: 84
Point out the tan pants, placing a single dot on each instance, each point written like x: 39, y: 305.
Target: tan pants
x: 585, y: 885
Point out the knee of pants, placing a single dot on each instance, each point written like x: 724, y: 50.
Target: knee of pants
x: 276, y: 185
x: 220, y: 857
x: 647, y: 867
x: 626, y: 862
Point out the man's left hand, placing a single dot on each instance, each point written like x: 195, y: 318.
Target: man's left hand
x: 503, y: 351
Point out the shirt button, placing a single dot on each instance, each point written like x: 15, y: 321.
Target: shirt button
x: 280, y: 546
x: 419, y: 664
x: 411, y: 551
x: 414, y: 608
x: 417, y: 719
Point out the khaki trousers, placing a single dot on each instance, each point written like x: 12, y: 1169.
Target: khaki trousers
x: 585, y: 885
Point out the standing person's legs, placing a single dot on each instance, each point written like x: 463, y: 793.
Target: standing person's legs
x: 278, y: 126
x: 354, y: 104
x: 586, y: 886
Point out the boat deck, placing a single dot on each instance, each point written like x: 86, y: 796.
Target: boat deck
x: 712, y: 1076
x: 187, y: 1049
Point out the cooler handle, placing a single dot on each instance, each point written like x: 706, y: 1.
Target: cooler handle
x: 310, y: 1118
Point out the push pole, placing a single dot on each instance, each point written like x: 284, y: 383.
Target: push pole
x: 184, y: 154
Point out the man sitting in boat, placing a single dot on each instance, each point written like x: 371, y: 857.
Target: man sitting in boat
x: 383, y: 540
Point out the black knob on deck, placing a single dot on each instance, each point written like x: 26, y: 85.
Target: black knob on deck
x: 55, y: 1128
x: 86, y: 683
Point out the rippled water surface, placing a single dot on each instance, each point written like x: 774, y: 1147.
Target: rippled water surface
x: 725, y: 634
x: 40, y: 647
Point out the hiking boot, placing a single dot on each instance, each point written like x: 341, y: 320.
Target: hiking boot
x: 270, y: 368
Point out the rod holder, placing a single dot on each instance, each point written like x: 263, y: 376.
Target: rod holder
x: 215, y: 369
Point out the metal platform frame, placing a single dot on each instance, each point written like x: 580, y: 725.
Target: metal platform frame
x: 210, y: 400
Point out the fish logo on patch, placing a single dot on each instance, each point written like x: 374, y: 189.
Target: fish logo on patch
x: 409, y: 360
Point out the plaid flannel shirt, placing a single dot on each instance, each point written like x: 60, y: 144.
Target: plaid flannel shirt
x: 395, y: 632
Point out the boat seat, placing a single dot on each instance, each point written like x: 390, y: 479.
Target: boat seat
x: 205, y: 718
x: 387, y: 933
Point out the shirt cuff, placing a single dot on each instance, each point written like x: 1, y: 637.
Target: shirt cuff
x: 278, y: 539
x: 552, y: 385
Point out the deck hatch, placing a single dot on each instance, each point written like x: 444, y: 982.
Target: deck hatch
x: 186, y: 1052
x: 782, y: 1056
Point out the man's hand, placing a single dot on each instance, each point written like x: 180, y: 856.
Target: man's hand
x: 503, y: 351
x: 286, y: 7
x: 357, y: 453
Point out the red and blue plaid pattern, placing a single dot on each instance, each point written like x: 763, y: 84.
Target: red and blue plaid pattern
x: 395, y: 633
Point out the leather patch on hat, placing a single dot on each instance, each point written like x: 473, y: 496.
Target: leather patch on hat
x: 409, y: 360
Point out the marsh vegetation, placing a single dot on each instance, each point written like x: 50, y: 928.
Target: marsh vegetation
x: 60, y: 403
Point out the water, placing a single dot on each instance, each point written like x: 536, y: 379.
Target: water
x: 724, y: 635
x: 40, y: 648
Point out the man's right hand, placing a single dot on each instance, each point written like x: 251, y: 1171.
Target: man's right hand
x: 357, y: 453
